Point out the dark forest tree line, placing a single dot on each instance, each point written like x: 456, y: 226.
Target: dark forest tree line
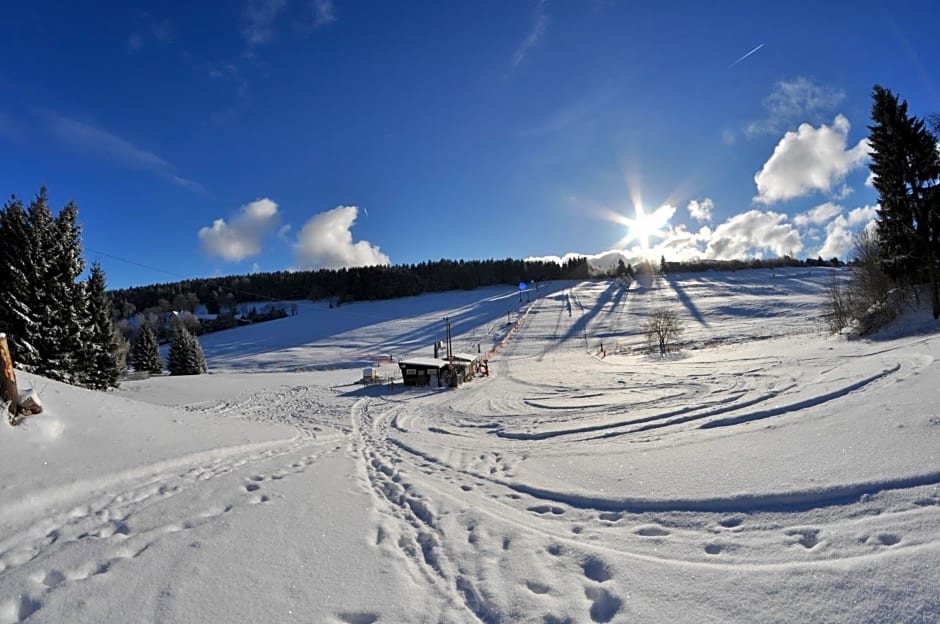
x: 223, y: 294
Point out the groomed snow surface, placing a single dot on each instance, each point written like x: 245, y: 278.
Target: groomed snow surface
x: 765, y: 473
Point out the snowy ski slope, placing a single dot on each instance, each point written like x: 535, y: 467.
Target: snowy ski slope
x: 765, y: 473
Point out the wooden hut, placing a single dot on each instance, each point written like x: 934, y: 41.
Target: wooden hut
x: 423, y: 371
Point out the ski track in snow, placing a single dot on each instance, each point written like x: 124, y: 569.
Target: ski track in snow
x: 466, y: 501
x: 109, y: 519
x: 762, y: 531
x: 116, y: 512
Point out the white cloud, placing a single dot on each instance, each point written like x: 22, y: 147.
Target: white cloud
x: 242, y: 237
x: 818, y: 215
x: 323, y: 12
x: 534, y: 36
x: 260, y: 16
x: 325, y: 241
x: 841, y: 231
x: 810, y: 159
x: 750, y: 234
x: 701, y: 211
x: 85, y: 138
x: 746, y: 235
x: 793, y: 101
x: 679, y: 245
x: 865, y: 214
x: 603, y: 261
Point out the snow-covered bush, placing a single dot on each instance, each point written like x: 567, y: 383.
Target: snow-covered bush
x: 185, y: 356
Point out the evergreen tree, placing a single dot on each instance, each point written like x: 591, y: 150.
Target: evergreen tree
x: 906, y: 168
x: 102, y: 371
x: 74, y: 325
x: 145, y: 355
x: 45, y: 359
x: 186, y: 356
x: 17, y: 318
x: 43, y: 305
x: 621, y: 268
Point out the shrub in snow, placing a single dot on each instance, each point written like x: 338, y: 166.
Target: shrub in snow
x: 877, y: 315
x: 867, y: 300
x: 663, y: 328
x: 186, y: 356
x: 145, y: 355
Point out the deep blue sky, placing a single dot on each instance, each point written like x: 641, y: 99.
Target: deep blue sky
x: 456, y: 129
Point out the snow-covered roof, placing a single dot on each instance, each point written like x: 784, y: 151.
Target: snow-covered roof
x: 466, y: 357
x: 424, y: 362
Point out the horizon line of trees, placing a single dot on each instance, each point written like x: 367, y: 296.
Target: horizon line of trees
x: 223, y: 295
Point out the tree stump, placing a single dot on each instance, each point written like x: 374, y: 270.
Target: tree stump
x: 8, y: 392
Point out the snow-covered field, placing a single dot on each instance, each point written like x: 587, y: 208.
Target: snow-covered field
x: 766, y: 473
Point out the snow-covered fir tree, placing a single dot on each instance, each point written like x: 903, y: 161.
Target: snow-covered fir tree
x: 17, y: 318
x: 73, y: 324
x: 43, y: 306
x: 186, y: 356
x: 39, y: 297
x: 53, y: 297
x: 101, y: 369
x: 145, y: 354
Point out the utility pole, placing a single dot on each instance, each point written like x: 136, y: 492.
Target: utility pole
x: 449, y: 352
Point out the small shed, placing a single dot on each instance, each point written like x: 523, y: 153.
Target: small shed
x: 467, y: 365
x: 422, y: 371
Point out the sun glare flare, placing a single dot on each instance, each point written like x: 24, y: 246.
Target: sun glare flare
x: 644, y: 226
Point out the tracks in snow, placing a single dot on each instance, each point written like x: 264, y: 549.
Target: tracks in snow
x: 118, y: 521
x: 447, y: 465
x: 93, y: 528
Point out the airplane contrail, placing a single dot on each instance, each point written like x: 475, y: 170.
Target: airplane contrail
x: 746, y: 55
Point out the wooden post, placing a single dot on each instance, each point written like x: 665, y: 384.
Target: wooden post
x: 8, y: 379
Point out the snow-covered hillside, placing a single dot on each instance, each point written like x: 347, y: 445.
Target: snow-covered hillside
x: 765, y: 473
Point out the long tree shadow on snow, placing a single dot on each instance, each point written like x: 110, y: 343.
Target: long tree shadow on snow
x: 580, y: 325
x: 686, y: 300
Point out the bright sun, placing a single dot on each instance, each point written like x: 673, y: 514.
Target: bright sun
x: 643, y: 226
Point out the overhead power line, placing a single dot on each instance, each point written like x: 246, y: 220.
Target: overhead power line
x: 182, y: 277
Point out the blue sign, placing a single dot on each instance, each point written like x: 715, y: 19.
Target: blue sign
x: 522, y: 286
